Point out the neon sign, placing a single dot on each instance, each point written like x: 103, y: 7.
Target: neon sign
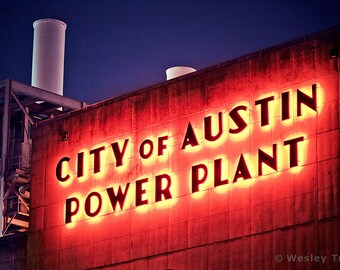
x: 220, y: 128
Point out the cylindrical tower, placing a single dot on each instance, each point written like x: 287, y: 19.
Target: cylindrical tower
x: 178, y: 71
x: 48, y: 55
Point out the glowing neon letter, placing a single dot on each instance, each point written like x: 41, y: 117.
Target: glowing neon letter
x: 208, y: 128
x: 238, y: 120
x: 196, y: 180
x: 264, y: 109
x: 304, y: 99
x: 96, y: 158
x: 68, y: 209
x: 285, y: 106
x: 120, y: 197
x: 119, y: 154
x: 165, y: 191
x: 242, y: 170
x: 142, y: 149
x: 218, y: 173
x: 59, y: 170
x: 140, y: 191
x: 88, y: 204
x: 161, y: 145
x: 271, y: 161
x: 293, y: 150
x: 80, y: 164
x: 190, y: 137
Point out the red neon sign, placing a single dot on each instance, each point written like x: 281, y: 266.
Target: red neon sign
x: 219, y: 129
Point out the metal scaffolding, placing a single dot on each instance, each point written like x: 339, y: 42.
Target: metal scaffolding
x: 21, y: 107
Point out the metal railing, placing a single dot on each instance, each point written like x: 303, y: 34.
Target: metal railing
x: 18, y: 162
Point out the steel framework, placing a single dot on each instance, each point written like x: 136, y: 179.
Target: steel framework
x: 21, y: 107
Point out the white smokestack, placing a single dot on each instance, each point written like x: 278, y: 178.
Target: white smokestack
x: 48, y: 55
x: 178, y: 71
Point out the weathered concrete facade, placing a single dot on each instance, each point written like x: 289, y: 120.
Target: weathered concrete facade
x: 13, y: 252
x: 179, y: 211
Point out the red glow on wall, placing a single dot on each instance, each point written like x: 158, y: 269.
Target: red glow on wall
x: 223, y: 149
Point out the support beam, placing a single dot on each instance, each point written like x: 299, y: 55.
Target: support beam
x: 21, y: 199
x: 23, y: 109
x: 46, y: 96
x: 15, y: 96
x: 4, y: 153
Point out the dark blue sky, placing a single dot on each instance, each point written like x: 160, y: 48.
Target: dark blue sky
x: 114, y: 47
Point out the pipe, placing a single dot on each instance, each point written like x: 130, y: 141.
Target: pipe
x: 48, y: 55
x: 178, y: 71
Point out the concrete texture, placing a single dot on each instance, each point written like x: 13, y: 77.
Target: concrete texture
x: 294, y: 211
x: 13, y: 252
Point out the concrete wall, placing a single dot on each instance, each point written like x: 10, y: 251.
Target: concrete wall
x: 13, y: 252
x: 241, y: 225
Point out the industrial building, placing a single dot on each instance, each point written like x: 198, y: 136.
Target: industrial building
x: 232, y: 167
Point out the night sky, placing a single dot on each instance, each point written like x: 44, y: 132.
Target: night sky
x: 115, y: 47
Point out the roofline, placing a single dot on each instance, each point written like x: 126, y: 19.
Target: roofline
x: 196, y: 73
